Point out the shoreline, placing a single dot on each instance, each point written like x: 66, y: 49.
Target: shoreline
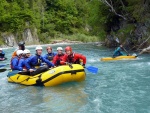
x: 62, y: 42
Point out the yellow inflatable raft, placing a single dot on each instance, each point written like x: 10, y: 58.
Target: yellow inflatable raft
x: 52, y: 77
x: 118, y: 58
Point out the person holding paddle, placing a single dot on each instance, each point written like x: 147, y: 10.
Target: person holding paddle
x: 118, y: 51
x: 2, y: 54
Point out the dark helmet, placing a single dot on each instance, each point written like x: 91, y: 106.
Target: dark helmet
x: 21, y: 43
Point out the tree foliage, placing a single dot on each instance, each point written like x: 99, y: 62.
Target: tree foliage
x: 53, y: 17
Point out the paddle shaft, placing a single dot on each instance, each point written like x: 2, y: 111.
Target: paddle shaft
x: 125, y: 50
x: 3, y: 65
x: 117, y: 40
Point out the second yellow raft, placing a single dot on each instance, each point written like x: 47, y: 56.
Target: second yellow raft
x: 118, y: 58
x: 52, y: 77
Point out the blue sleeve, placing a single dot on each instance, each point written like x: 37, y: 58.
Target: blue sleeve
x: 121, y: 53
x: 118, y: 49
x: 55, y: 54
x: 15, y: 64
x: 21, y: 64
x: 27, y: 62
x: 45, y: 56
x: 47, y: 62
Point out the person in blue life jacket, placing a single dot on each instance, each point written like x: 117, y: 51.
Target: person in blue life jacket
x: 26, y: 55
x: 118, y: 51
x: 2, y: 54
x: 50, y: 54
x: 16, y: 60
x: 34, y: 63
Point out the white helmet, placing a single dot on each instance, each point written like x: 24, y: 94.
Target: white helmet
x: 1, y: 49
x: 26, y: 51
x: 38, y: 47
x: 19, y: 52
x: 59, y: 48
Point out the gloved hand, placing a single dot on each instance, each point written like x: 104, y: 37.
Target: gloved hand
x: 31, y: 70
x: 70, y: 64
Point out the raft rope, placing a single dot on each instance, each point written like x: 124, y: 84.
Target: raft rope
x: 51, y: 78
x: 58, y: 74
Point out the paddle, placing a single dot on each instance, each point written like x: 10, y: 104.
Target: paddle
x: 3, y: 65
x: 2, y: 70
x: 92, y: 69
x: 12, y: 73
x: 70, y: 65
x: 3, y: 59
x: 134, y: 54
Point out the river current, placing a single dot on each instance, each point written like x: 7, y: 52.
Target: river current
x: 119, y: 87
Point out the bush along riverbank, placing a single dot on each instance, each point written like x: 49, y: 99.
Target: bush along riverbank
x: 44, y: 21
x: 61, y: 38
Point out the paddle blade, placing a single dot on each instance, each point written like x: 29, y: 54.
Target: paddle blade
x: 92, y: 69
x: 2, y: 65
x: 12, y: 73
x: 117, y: 40
x: 2, y: 70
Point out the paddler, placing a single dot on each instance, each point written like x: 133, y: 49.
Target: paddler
x: 34, y: 63
x: 59, y: 57
x: 2, y: 54
x: 72, y: 57
x: 21, y: 46
x: 16, y: 60
x: 26, y: 55
x: 50, y: 54
x: 118, y: 51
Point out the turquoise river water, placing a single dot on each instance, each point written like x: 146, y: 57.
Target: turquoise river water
x: 119, y: 87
